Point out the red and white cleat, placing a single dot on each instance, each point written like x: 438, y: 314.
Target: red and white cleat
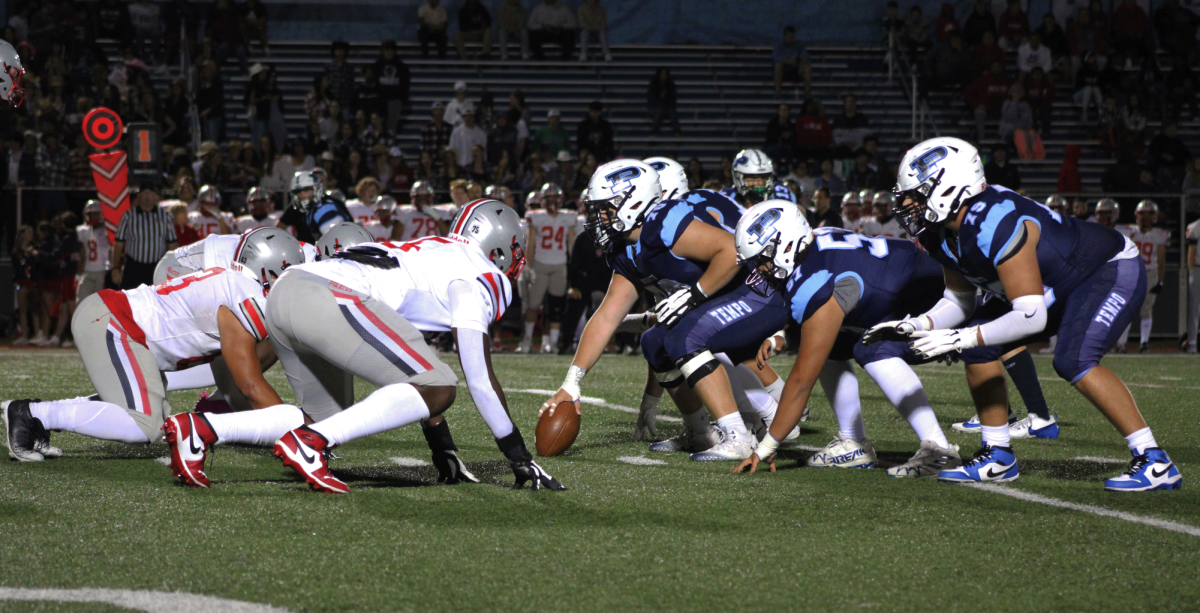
x: 303, y: 449
x: 189, y: 436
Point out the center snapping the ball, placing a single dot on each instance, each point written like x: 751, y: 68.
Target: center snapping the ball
x: 556, y: 431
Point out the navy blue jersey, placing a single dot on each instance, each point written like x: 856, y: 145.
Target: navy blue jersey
x: 308, y: 223
x: 993, y: 230
x: 623, y: 262
x: 668, y: 221
x: 873, y: 279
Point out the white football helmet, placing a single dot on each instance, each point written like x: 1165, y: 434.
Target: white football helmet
x: 307, y: 179
x: 750, y: 164
x: 209, y: 193
x: 266, y: 252
x: 936, y: 177
x: 851, y: 198
x: 620, y: 194
x: 866, y: 198
x: 671, y: 177
x: 773, y: 234
x: 1056, y: 203
x: 495, y: 228
x: 1146, y: 206
x: 10, y: 75
x: 340, y: 237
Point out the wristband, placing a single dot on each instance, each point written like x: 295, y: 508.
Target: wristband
x: 570, y: 384
x: 766, y: 447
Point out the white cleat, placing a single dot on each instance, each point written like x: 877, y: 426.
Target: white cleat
x: 928, y: 461
x: 803, y: 418
x: 737, y: 446
x: 845, y: 453
x: 791, y: 436
x: 689, y: 441
x: 525, y: 346
x: 547, y: 348
x: 1033, y: 426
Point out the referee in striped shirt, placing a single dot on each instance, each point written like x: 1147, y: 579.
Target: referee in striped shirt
x: 144, y: 235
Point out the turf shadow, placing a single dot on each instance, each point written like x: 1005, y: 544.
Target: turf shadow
x: 1069, y: 470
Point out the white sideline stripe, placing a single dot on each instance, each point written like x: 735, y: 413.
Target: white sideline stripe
x: 140, y: 600
x: 600, y: 402
x: 1161, y: 524
x: 1092, y: 458
x: 640, y: 460
x: 408, y: 462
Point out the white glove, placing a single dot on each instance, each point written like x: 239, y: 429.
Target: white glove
x: 646, y: 423
x: 673, y: 307
x: 890, y: 330
x: 940, y: 342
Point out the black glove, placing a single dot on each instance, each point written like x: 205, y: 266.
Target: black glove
x: 529, y: 470
x: 1157, y: 288
x: 450, y: 467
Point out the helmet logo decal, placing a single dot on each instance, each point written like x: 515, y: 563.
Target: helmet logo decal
x: 761, y: 229
x: 928, y: 162
x: 625, y: 175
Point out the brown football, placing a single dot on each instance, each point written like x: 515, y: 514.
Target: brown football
x: 555, y: 433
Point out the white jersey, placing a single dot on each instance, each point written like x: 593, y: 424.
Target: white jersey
x: 215, y: 251
x: 95, y: 247
x: 247, y: 222
x: 420, y: 288
x: 445, y: 212
x: 359, y: 212
x: 207, y: 225
x: 1193, y: 234
x: 889, y: 229
x: 179, y: 318
x: 862, y: 225
x: 378, y: 231
x: 551, y: 235
x: 1150, y: 244
x: 417, y: 224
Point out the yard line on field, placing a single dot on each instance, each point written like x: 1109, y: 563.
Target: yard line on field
x: 600, y: 402
x: 1162, y: 524
x: 139, y: 600
x: 408, y: 462
x: 1092, y: 458
x: 638, y: 460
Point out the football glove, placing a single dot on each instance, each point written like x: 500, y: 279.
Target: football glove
x: 528, y: 470
x: 1157, y: 288
x: 646, y: 423
x: 451, y: 469
x: 900, y: 330
x: 675, y: 306
x: 935, y: 343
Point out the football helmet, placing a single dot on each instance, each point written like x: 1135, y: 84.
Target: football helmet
x: 495, y: 228
x: 93, y: 215
x: 209, y: 194
x: 305, y: 180
x: 772, y: 237
x: 422, y: 194
x: 620, y: 194
x: 498, y: 192
x: 671, y: 177
x: 1108, y: 212
x: 10, y: 75
x: 551, y: 196
x: 1146, y: 206
x: 1056, y: 203
x: 851, y: 198
x: 883, y: 204
x: 385, y: 207
x: 865, y: 197
x: 753, y: 164
x: 936, y: 177
x: 265, y: 253
x: 258, y: 200
x: 341, y: 236
x: 852, y: 207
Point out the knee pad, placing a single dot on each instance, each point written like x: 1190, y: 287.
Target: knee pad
x: 669, y: 379
x: 554, y: 307
x: 698, y: 366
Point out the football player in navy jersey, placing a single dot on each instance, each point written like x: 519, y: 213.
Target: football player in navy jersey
x: 829, y: 279
x: 753, y: 178
x: 313, y: 211
x: 1043, y: 274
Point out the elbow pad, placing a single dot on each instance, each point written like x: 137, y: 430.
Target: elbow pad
x: 1028, y: 317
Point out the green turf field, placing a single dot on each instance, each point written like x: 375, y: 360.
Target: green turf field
x: 676, y: 536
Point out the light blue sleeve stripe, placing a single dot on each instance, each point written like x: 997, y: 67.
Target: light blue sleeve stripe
x: 1020, y: 222
x: 862, y: 287
x: 987, y: 229
x: 805, y: 293
x: 670, y: 224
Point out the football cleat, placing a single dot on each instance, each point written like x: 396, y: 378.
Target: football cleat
x: 928, y: 461
x: 526, y: 346
x: 451, y: 469
x: 734, y: 446
x: 804, y: 417
x: 189, y: 436
x: 972, y: 426
x: 990, y: 465
x: 1152, y: 470
x: 21, y: 429
x: 205, y: 404
x: 303, y: 450
x: 1144, y: 348
x: 791, y: 436
x: 41, y: 443
x: 1033, y: 426
x: 690, y: 442
x: 845, y: 453
x: 548, y: 349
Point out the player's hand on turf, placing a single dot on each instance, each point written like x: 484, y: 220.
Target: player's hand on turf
x: 451, y: 469
x: 769, y: 349
x: 529, y: 471
x: 646, y: 423
x: 559, y: 397
x: 898, y: 330
x: 935, y: 343
x: 675, y: 306
x: 750, y: 465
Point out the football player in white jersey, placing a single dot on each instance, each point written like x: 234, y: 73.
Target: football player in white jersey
x: 94, y: 245
x: 886, y: 223
x: 420, y: 219
x: 362, y: 208
x: 384, y: 226
x: 1108, y: 211
x: 1152, y: 243
x: 551, y: 234
x: 127, y: 339
x: 208, y: 218
x: 258, y: 202
x: 1193, y: 266
x: 852, y: 217
x: 362, y: 313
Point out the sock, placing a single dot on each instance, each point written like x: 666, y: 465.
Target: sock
x: 192, y: 378
x: 996, y: 436
x: 732, y: 423
x: 1024, y: 376
x: 261, y: 427
x: 554, y: 331
x: 1140, y: 441
x: 1124, y: 336
x: 775, y: 389
x: 841, y: 388
x: 904, y: 390
x: 754, y: 391
x: 1145, y: 325
x: 387, y: 408
x: 529, y: 330
x: 94, y: 418
x: 696, y: 422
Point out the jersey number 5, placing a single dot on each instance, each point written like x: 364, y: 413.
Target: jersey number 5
x: 877, y: 246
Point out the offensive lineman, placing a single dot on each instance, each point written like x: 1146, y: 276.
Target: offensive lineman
x: 551, y: 232
x: 1152, y: 244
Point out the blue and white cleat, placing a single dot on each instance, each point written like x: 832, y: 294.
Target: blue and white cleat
x: 1153, y: 470
x: 972, y: 426
x: 990, y: 465
x: 1033, y: 426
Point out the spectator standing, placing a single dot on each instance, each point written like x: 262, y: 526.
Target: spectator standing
x: 318, y: 99
x: 144, y: 234
x: 916, y: 32
x: 341, y: 76
x: 1016, y: 114
x: 862, y: 176
x: 1055, y: 39
x: 1033, y: 54
x: 595, y: 134
x: 813, y: 132
x: 791, y: 61
x: 552, y: 136
x: 394, y: 80
x: 368, y: 97
x: 832, y: 183
x: 593, y: 21
x: 1085, y: 38
x: 1176, y: 27
x: 435, y: 136
x: 110, y: 19
x: 431, y: 27
x: 1129, y: 29
x: 276, y: 125
x: 144, y: 15
x: 1000, y: 171
x: 467, y: 136
x: 979, y: 22
x: 1087, y: 85
x: 176, y: 106
x: 257, y: 101
x: 456, y: 105
x: 181, y: 22
x: 551, y: 22
x: 255, y: 17
x: 946, y: 23
x: 510, y: 18
x: 850, y: 127
x: 210, y: 101
x: 1166, y: 155
x: 1014, y: 26
x: 474, y: 26
x: 53, y: 162
x: 985, y: 53
x: 779, y: 141
x: 986, y: 95
x: 660, y: 102
x: 228, y: 34
x: 1039, y: 91
x: 948, y: 65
